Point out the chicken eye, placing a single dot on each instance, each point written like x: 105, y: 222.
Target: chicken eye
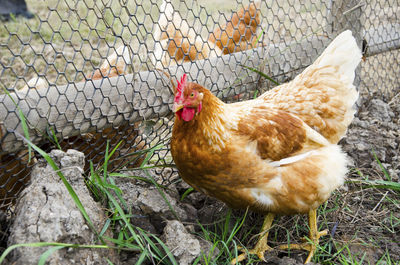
x: 192, y: 95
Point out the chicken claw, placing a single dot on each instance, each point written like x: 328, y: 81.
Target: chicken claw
x: 262, y: 244
x: 311, y: 247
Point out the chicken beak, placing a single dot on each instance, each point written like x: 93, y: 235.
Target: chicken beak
x: 177, y: 107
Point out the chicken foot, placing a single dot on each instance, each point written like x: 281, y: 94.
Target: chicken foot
x: 311, y: 247
x: 262, y: 244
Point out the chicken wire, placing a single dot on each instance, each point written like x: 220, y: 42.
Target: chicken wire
x: 67, y: 41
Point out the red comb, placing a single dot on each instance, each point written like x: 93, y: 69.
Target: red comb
x: 182, y: 83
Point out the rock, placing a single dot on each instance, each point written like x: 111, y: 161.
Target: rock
x: 46, y: 212
x: 374, y: 130
x: 381, y: 110
x: 184, y: 246
x: 212, y: 210
x: 149, y: 206
x: 153, y: 204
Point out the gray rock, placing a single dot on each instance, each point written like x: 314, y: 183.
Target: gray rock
x: 152, y: 201
x: 184, y: 246
x: 149, y: 205
x: 381, y: 110
x: 374, y: 130
x: 46, y: 212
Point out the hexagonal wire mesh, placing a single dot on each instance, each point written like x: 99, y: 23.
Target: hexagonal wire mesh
x: 85, y: 72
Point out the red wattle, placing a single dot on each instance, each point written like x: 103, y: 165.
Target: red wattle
x: 188, y: 114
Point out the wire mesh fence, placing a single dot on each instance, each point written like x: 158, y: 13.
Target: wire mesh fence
x: 84, y: 73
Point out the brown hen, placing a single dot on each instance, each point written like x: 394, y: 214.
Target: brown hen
x: 276, y: 154
x: 239, y: 33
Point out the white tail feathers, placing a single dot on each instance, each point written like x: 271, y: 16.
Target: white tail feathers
x: 344, y: 53
x: 166, y: 15
x: 167, y: 9
x: 119, y: 59
x: 34, y: 83
x: 170, y: 21
x: 257, y: 3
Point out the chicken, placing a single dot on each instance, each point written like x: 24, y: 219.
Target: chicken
x: 34, y: 83
x: 114, y: 65
x: 278, y: 153
x: 239, y: 33
x: 177, y: 42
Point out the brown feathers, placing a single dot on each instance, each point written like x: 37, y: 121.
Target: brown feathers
x: 277, y: 153
x: 239, y: 33
x: 177, y: 41
x: 277, y: 133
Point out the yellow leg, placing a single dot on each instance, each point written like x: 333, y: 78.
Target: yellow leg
x: 262, y: 244
x: 311, y: 247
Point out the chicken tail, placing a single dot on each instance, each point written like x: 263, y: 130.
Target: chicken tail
x: 170, y: 21
x: 342, y: 53
x: 34, y: 83
x: 119, y: 59
x: 325, y: 91
x: 167, y: 13
x: 342, y: 56
x: 257, y: 3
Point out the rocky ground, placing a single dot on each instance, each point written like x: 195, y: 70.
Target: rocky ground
x: 361, y: 217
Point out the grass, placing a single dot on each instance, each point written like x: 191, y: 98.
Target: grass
x: 127, y: 236
x: 234, y: 229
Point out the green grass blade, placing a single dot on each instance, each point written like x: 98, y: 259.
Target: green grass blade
x: 150, y: 153
x: 381, y: 184
x: 262, y: 74
x: 167, y: 251
x: 47, y: 244
x: 47, y: 254
x: 387, y: 175
x: 260, y: 35
x: 124, y: 217
x: 106, y: 157
x: 23, y: 123
x: 53, y: 134
x: 238, y: 226
x: 147, y: 180
x: 105, y: 227
x: 142, y: 257
x: 186, y: 193
x: 124, y: 244
x: 118, y: 192
x: 163, y: 195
